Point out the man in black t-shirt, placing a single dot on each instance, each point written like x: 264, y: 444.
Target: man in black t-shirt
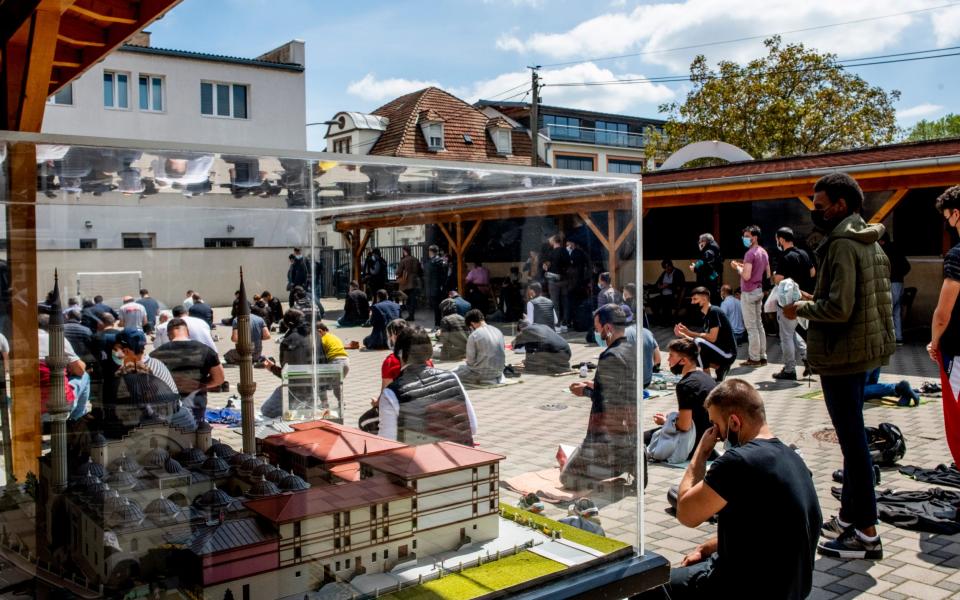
x: 944, y: 346
x: 762, y: 493
x: 692, y: 391
x: 715, y: 340
x: 195, y: 367
x: 794, y: 264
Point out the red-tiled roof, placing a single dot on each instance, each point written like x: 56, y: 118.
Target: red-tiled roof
x: 429, y: 459
x: 499, y: 122
x: 329, y: 442
x: 403, y: 138
x: 827, y: 160
x: 326, y: 499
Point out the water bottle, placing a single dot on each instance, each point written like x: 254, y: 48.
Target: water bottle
x: 584, y: 371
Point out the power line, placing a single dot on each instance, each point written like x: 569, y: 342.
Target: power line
x: 848, y: 63
x: 749, y: 38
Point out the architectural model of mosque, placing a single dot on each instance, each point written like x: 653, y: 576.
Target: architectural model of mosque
x: 136, y: 498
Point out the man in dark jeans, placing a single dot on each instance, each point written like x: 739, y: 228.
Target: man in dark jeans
x: 434, y: 276
x: 759, y: 489
x: 851, y: 333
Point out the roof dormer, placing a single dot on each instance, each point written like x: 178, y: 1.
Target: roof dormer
x: 501, y: 132
x: 431, y: 125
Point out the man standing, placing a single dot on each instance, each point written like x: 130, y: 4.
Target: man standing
x: 718, y: 348
x: 755, y: 265
x: 730, y: 306
x: 374, y: 272
x: 408, y: 280
x: 794, y: 264
x: 709, y: 266
x: 434, y: 276
x: 486, y: 352
x: 555, y: 267
x: 757, y: 486
x: 151, y: 306
x: 576, y: 280
x: 195, y: 368
x: 133, y: 315
x: 944, y: 346
x: 851, y: 333
x: 296, y: 273
x: 610, y: 445
x: 899, y: 267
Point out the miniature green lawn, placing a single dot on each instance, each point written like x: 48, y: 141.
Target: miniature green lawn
x: 491, y: 577
x: 579, y: 536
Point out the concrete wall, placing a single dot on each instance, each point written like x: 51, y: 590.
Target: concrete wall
x: 276, y: 104
x: 168, y: 273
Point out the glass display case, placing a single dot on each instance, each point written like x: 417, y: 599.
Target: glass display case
x: 225, y: 405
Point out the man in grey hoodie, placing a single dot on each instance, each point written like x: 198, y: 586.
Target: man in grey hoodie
x: 851, y: 333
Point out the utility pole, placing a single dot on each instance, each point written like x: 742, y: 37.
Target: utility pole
x: 535, y: 115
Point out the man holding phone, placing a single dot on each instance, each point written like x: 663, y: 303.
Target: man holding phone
x: 762, y: 493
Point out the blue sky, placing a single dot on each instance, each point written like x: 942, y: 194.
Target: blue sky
x: 362, y: 54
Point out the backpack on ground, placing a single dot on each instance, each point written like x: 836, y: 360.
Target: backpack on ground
x: 887, y: 444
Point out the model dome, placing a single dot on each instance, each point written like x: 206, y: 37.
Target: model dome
x: 191, y: 456
x: 215, y: 465
x: 263, y: 469
x: 122, y: 479
x: 127, y: 463
x: 91, y: 468
x: 276, y: 475
x: 155, y: 458
x: 250, y: 465
x: 238, y: 459
x: 263, y: 488
x: 162, y: 509
x: 214, y: 498
x: 293, y: 483
x: 173, y: 466
x: 220, y: 449
x: 128, y: 513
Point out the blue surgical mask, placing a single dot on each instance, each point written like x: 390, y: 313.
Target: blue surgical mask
x: 601, y: 340
x: 117, y: 358
x: 747, y: 241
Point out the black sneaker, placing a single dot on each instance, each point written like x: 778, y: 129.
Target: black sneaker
x: 838, y: 475
x: 851, y: 545
x: 789, y: 375
x: 832, y: 529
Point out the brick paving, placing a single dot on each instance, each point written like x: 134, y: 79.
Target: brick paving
x: 511, y: 422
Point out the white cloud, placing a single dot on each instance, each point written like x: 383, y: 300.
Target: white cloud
x: 530, y: 3
x: 920, y: 111
x: 373, y: 89
x: 946, y: 25
x: 654, y: 28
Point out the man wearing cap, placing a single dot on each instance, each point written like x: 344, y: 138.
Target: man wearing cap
x: 610, y: 446
x: 133, y: 315
x: 128, y: 351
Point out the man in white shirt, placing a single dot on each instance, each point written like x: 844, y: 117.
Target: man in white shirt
x: 198, y: 328
x: 134, y: 315
x: 424, y: 404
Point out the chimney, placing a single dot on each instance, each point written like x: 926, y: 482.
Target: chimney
x: 293, y: 52
x: 140, y: 38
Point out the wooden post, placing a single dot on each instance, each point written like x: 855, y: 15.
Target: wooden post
x: 355, y: 253
x: 612, y: 250
x: 24, y: 345
x: 889, y: 205
x: 460, y: 257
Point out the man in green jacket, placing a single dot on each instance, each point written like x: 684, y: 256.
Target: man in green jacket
x: 850, y: 333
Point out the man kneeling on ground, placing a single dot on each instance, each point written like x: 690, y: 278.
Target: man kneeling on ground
x: 424, y: 404
x: 547, y: 353
x: 762, y: 490
x: 453, y: 333
x: 486, y: 352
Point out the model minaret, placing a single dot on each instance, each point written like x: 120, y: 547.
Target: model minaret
x: 57, y: 404
x: 247, y: 387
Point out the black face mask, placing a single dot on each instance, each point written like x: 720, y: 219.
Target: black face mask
x: 733, y: 437
x: 676, y: 369
x: 820, y: 221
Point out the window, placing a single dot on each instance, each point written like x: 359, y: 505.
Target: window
x: 223, y: 99
x: 346, y: 540
x: 414, y: 544
x: 296, y: 529
x: 414, y: 522
x: 502, y: 139
x: 493, y: 504
x: 433, y: 134
x: 246, y: 589
x: 386, y: 531
x: 336, y: 520
x: 577, y: 163
x: 139, y: 240
x: 336, y: 566
x: 386, y: 554
x: 474, y: 474
x: 336, y: 544
x: 64, y: 97
x: 346, y: 520
x: 386, y: 510
x: 373, y: 557
x: 413, y: 503
x: 116, y: 90
x: 614, y: 134
x: 346, y: 564
x: 341, y: 146
x: 467, y: 139
x: 88, y: 244
x: 567, y: 128
x: 630, y: 167
x: 474, y: 509
x: 151, y: 93
x: 493, y: 470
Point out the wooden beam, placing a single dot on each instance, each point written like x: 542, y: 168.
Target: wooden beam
x: 366, y: 238
x: 446, y: 234
x: 460, y: 257
x: 596, y: 230
x: 101, y: 17
x: 24, y: 350
x: 611, y: 246
x: 806, y: 201
x: 42, y: 49
x: 623, y: 235
x: 78, y: 42
x: 889, y: 205
x: 471, y: 235
x: 645, y: 211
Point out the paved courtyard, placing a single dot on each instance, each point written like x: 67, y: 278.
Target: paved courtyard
x: 512, y: 422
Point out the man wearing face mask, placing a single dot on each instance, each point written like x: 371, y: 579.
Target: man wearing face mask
x: 760, y: 487
x: 610, y: 445
x: 755, y: 265
x: 709, y: 267
x: 851, y: 333
x: 692, y: 391
x: 714, y: 339
x: 793, y: 264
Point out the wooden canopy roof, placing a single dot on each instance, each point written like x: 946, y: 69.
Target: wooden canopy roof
x: 45, y: 44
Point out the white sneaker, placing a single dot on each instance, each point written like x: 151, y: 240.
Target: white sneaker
x: 563, y: 329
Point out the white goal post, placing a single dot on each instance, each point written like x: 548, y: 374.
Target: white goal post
x: 112, y: 285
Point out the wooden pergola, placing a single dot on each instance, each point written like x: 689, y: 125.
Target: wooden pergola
x: 460, y: 223
x: 44, y: 45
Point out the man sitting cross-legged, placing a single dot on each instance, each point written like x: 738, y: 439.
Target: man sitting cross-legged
x: 762, y: 491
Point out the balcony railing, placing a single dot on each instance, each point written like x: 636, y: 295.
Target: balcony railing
x: 590, y: 135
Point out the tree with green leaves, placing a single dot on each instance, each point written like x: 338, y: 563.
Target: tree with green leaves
x: 944, y: 127
x: 791, y: 101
